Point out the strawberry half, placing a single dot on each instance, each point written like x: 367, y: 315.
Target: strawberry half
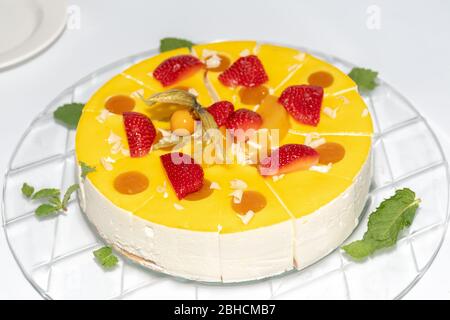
x: 184, y: 174
x: 244, y: 119
x: 221, y: 111
x: 246, y: 71
x: 140, y: 133
x: 303, y: 102
x: 176, y: 68
x: 288, y: 158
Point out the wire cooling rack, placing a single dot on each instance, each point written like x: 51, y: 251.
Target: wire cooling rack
x: 55, y: 254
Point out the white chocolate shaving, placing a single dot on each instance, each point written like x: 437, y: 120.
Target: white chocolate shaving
x: 116, y: 148
x: 104, y: 114
x: 300, y: 57
x: 365, y: 113
x: 178, y: 206
x: 246, y: 217
x: 113, y: 138
x: 214, y: 186
x: 278, y: 177
x: 208, y: 53
x: 321, y: 168
x: 125, y: 152
x: 193, y: 92
x: 318, y: 142
x: 213, y: 61
x: 107, y: 163
x: 237, y: 196
x: 237, y: 184
x: 330, y: 112
x: 244, y: 53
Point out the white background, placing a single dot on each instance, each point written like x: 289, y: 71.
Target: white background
x: 411, y: 50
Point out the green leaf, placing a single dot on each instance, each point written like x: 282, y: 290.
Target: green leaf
x: 364, y: 78
x: 106, y: 257
x: 27, y: 190
x: 85, y: 169
x: 385, y: 224
x: 45, y: 210
x: 168, y: 44
x: 68, y: 194
x: 47, y: 193
x: 69, y: 114
x: 55, y: 201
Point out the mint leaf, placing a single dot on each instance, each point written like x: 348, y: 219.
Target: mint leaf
x: 168, y: 44
x: 46, y: 193
x: 27, y: 190
x: 55, y: 201
x: 69, y: 114
x: 67, y: 195
x: 364, y: 78
x: 45, y: 210
x: 385, y: 224
x: 85, y: 169
x: 106, y: 257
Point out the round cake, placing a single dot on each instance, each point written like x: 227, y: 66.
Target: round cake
x: 253, y: 208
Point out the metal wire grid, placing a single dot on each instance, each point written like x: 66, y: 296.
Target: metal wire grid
x: 95, y: 80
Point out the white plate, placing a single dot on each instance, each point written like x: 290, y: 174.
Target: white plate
x: 27, y: 27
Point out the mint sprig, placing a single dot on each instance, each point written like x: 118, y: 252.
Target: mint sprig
x: 167, y: 44
x: 105, y: 257
x: 364, y: 78
x: 385, y: 224
x: 69, y: 114
x: 51, y: 197
x: 86, y: 169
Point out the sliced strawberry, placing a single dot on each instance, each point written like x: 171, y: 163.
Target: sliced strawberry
x: 176, y: 68
x: 303, y: 102
x: 221, y: 111
x: 246, y: 71
x: 140, y: 133
x: 184, y: 174
x: 288, y: 158
x: 244, y: 119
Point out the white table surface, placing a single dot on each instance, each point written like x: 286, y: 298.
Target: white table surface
x: 410, y: 50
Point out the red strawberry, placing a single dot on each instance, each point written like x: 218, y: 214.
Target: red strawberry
x: 184, y: 174
x: 244, y: 119
x: 140, y: 133
x: 176, y: 68
x: 221, y: 111
x: 288, y: 158
x: 303, y: 103
x: 246, y: 71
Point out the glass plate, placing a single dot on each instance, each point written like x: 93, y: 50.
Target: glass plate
x: 55, y: 254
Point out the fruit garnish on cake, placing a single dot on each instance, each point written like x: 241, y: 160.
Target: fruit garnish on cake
x: 176, y: 68
x: 239, y: 154
x: 247, y: 71
x: 303, y: 102
x: 140, y: 133
x: 184, y: 174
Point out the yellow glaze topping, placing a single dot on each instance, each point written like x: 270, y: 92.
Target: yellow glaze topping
x: 101, y: 142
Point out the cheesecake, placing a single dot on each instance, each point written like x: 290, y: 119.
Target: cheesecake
x: 236, y: 218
